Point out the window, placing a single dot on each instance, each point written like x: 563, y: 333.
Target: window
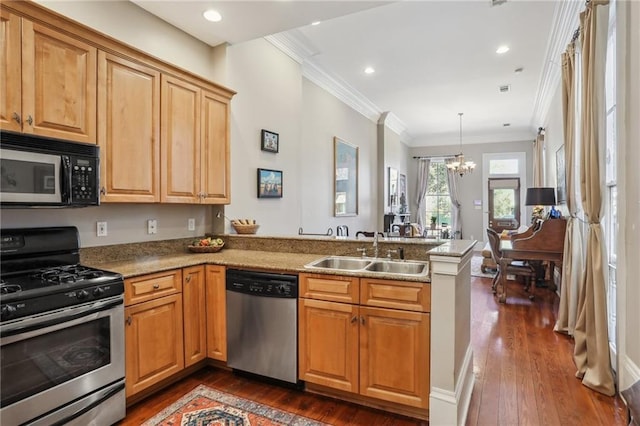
x: 611, y: 195
x: 437, y: 200
x: 507, y: 166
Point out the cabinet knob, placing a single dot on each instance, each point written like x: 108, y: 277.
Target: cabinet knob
x: 129, y: 320
x: 156, y: 286
x: 16, y: 117
x: 29, y: 120
x: 103, y: 191
x: 362, y: 320
x: 354, y: 319
x: 187, y: 278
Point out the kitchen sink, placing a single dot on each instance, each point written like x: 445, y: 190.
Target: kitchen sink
x: 394, y: 267
x: 340, y: 262
x: 372, y: 265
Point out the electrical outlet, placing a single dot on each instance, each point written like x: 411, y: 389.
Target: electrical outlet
x: 191, y: 224
x: 152, y: 226
x: 101, y: 229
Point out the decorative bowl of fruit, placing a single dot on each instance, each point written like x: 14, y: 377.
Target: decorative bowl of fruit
x: 206, y: 245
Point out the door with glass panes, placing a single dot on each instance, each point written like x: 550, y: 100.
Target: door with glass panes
x: 504, y: 204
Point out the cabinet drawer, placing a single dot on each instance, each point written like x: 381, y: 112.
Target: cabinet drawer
x: 147, y: 287
x: 333, y: 288
x: 405, y: 295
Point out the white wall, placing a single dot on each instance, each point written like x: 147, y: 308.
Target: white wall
x: 470, y: 186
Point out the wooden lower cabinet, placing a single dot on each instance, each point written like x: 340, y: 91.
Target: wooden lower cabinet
x: 195, y: 314
x: 154, y: 342
x: 375, y: 352
x: 328, y: 344
x: 394, y: 355
x: 215, y: 294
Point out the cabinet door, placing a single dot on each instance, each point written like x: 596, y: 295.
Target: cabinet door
x: 216, y: 313
x: 180, y: 145
x: 129, y: 130
x: 153, y: 340
x: 328, y: 344
x: 195, y: 314
x: 215, y: 149
x: 10, y: 74
x: 58, y: 84
x: 394, y: 356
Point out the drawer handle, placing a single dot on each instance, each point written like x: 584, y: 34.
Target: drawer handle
x: 362, y: 320
x: 156, y: 286
x: 129, y: 320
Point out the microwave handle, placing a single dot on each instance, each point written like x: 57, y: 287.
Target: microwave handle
x: 65, y: 180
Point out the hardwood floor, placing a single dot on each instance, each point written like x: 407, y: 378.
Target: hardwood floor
x: 524, y: 375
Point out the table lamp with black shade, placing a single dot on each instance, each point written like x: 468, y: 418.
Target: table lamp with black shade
x: 541, y: 196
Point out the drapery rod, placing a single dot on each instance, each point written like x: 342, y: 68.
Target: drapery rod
x: 427, y: 157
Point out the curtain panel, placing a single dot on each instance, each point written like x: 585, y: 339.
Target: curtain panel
x: 591, y: 352
x: 538, y: 161
x: 456, y: 217
x: 421, y: 191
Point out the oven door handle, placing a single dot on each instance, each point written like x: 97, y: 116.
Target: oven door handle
x: 60, y: 317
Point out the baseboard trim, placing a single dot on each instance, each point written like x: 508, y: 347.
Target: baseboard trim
x: 451, y: 408
x: 630, y: 373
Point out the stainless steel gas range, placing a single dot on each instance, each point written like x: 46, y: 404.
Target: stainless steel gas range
x: 61, y: 332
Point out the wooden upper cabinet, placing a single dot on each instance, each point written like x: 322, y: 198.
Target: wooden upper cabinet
x: 128, y: 130
x: 58, y: 84
x: 215, y: 149
x: 180, y: 146
x: 11, y: 72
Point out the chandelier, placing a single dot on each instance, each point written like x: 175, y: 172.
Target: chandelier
x: 458, y: 164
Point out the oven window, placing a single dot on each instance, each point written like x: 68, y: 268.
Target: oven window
x: 39, y: 363
x: 27, y: 177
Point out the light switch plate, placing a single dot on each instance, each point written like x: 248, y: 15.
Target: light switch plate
x: 101, y: 229
x: 191, y: 224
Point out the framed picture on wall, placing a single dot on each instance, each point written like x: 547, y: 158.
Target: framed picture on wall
x: 270, y: 141
x: 269, y: 183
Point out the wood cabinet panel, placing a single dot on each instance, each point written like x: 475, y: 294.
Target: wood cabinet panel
x: 129, y: 130
x: 11, y: 71
x: 154, y: 342
x: 152, y: 286
x: 394, y: 356
x: 215, y: 176
x: 59, y: 84
x: 180, y: 146
x: 405, y: 295
x: 328, y: 344
x: 195, y: 314
x: 216, y: 312
x: 333, y: 288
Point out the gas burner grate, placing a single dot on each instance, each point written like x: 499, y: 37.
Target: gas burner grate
x: 9, y: 288
x: 67, y: 274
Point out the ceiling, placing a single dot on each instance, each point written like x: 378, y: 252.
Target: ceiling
x: 432, y: 59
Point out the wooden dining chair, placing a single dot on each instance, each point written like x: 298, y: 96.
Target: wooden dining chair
x: 515, y: 267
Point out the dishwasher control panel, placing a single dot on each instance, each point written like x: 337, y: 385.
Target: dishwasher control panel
x: 262, y: 284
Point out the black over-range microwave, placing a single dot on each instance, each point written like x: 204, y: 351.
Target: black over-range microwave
x: 45, y: 172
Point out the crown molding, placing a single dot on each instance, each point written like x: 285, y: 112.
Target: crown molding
x: 297, y: 47
x: 565, y: 22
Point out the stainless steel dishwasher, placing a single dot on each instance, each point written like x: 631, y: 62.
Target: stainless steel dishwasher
x: 262, y: 324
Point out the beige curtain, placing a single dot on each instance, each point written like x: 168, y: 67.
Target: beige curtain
x: 421, y: 190
x: 538, y: 161
x: 572, y: 259
x: 591, y: 352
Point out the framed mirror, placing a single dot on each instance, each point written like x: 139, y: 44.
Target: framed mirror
x: 345, y: 161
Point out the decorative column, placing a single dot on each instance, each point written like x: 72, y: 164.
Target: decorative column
x: 451, y: 354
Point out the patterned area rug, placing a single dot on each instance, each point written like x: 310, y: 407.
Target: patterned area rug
x: 205, y: 406
x: 476, y: 271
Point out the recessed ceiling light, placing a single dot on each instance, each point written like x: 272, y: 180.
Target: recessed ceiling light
x: 369, y: 70
x: 315, y: 23
x: 519, y: 70
x: 212, y: 15
x: 506, y: 124
x: 502, y: 49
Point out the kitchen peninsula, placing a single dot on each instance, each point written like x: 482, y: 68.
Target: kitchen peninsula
x: 450, y: 376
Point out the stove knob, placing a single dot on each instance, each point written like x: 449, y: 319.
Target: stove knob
x: 7, y: 312
x: 98, y: 291
x: 82, y: 294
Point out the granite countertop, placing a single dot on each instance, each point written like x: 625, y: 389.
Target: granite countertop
x: 453, y: 248
x: 251, y: 259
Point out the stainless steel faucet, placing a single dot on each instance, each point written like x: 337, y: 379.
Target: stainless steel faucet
x: 375, y: 244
